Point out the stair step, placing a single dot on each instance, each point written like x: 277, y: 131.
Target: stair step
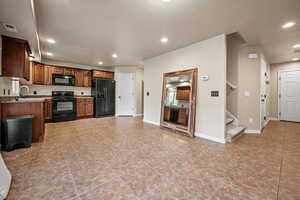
x: 235, y: 131
x: 229, y: 120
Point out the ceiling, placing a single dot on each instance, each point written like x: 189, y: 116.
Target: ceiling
x: 20, y: 14
x: 87, y: 32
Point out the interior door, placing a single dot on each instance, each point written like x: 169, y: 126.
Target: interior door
x: 125, y: 94
x: 263, y: 94
x: 290, y: 96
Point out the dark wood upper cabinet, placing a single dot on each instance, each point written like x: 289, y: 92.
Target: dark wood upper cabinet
x: 15, y: 58
x: 38, y: 73
x: 183, y: 93
x: 79, y: 78
x: 87, y: 78
x: 69, y: 71
x: 58, y: 70
x: 103, y: 74
x: 48, y: 71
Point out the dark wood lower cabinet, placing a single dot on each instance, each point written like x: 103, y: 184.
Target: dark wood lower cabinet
x: 27, y: 108
x: 48, y: 109
x: 85, y: 107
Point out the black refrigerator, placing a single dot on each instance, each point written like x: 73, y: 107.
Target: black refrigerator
x: 103, y: 91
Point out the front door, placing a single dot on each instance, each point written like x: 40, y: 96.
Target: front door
x: 289, y: 96
x: 125, y: 94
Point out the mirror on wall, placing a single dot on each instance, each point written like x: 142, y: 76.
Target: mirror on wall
x: 179, y: 101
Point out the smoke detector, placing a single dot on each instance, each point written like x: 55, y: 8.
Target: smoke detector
x: 10, y: 27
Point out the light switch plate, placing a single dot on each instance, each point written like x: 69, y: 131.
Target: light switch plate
x: 247, y: 94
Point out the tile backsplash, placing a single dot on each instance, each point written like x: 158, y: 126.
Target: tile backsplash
x: 5, y: 86
x: 47, y: 90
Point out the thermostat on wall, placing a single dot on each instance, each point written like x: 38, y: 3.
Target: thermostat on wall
x: 204, y: 78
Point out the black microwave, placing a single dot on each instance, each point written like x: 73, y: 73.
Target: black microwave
x: 67, y: 80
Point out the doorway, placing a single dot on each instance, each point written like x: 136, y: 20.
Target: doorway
x: 263, y: 94
x: 125, y: 94
x: 289, y: 95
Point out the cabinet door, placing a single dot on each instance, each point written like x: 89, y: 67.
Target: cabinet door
x: 87, y: 80
x: 79, y: 78
x: 37, y: 73
x: 89, y: 107
x: 58, y: 70
x: 182, y: 116
x: 47, y: 75
x: 48, y: 109
x: 80, y: 107
x: 69, y: 71
x: 26, y: 66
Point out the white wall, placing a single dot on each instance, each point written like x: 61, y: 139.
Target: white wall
x: 209, y: 57
x: 275, y: 68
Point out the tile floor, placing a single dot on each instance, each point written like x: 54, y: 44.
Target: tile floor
x: 127, y: 159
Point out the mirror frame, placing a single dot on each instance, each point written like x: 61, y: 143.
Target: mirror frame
x: 190, y: 129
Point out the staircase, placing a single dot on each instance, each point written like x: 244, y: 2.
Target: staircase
x: 233, y: 130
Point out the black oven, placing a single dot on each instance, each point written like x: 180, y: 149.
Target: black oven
x: 68, y: 80
x: 64, y: 106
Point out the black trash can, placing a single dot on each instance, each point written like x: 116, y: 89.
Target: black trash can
x: 16, y: 132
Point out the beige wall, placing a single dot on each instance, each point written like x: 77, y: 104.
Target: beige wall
x: 234, y: 41
x: 209, y: 57
x: 275, y: 68
x: 249, y: 82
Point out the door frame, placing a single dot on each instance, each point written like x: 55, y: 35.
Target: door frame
x: 133, y: 96
x: 279, y: 90
x: 263, y: 122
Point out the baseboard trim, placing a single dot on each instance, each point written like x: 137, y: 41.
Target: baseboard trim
x: 138, y: 115
x: 151, y: 122
x: 207, y: 137
x: 249, y: 131
x: 273, y: 118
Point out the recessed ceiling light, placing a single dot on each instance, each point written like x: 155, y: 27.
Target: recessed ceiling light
x: 164, y: 40
x: 295, y: 59
x: 100, y: 63
x: 166, y: 0
x: 114, y: 55
x: 288, y: 25
x: 51, y: 41
x: 49, y: 54
x: 296, y: 46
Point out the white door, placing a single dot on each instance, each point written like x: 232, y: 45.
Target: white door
x: 263, y: 94
x: 289, y: 96
x: 125, y: 94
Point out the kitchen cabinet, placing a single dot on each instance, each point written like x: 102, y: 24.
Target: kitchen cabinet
x: 87, y: 78
x: 85, y: 107
x: 15, y: 58
x: 48, y: 109
x: 167, y: 112
x: 48, y: 75
x: 182, y: 116
x: 183, y: 93
x: 27, y: 108
x: 38, y: 73
x: 58, y: 70
x: 79, y: 78
x: 69, y: 71
x: 103, y: 74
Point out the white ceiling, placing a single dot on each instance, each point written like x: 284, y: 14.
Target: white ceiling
x: 87, y: 32
x: 20, y: 14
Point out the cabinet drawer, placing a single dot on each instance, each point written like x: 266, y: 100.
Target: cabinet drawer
x: 58, y: 70
x: 69, y: 71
